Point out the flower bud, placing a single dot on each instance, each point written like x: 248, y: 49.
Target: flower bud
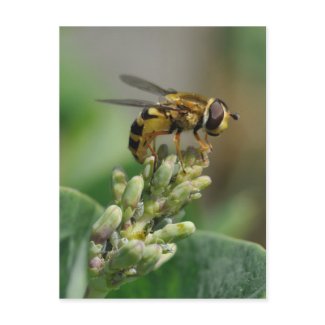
x: 171, y: 159
x: 162, y: 152
x: 195, y: 171
x: 151, y: 207
x: 119, y: 181
x: 162, y: 177
x: 106, y: 224
x: 96, y: 264
x: 195, y: 196
x: 148, y: 168
x: 128, y: 255
x: 201, y: 182
x: 173, y: 232
x: 131, y: 196
x: 151, y: 255
x: 166, y: 257
x: 130, y: 272
x: 114, y: 239
x: 190, y: 156
x: 94, y: 249
x: 181, y: 192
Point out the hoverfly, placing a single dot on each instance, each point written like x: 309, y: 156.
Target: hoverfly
x: 175, y: 112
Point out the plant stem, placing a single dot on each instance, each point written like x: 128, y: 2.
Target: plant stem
x: 93, y: 293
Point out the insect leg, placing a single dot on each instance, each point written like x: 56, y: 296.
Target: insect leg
x: 151, y: 137
x: 204, y: 147
x: 207, y: 141
x: 154, y: 153
x: 177, y: 140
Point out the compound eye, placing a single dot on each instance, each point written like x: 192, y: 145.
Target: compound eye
x: 216, y: 114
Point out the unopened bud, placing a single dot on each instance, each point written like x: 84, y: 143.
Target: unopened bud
x: 173, y: 232
x: 94, y: 249
x: 162, y: 177
x: 151, y: 255
x: 106, y: 224
x: 130, y: 272
x: 166, y: 257
x: 195, y: 196
x: 148, y: 168
x: 114, y: 239
x: 162, y: 152
x: 201, y: 182
x: 171, y: 159
x: 96, y: 264
x: 119, y: 181
x: 127, y: 256
x: 195, y: 171
x: 131, y: 196
x: 181, y: 192
x: 190, y: 156
x: 151, y: 207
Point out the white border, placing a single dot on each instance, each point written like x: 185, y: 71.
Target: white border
x: 30, y: 146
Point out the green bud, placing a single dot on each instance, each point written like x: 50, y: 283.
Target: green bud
x: 190, y: 156
x: 162, y: 177
x: 195, y: 171
x: 166, y: 257
x: 151, y: 207
x: 138, y: 211
x: 94, y: 249
x: 171, y: 159
x: 172, y: 232
x: 106, y: 224
x: 127, y: 214
x: 148, y: 168
x: 162, y: 152
x: 167, y: 248
x: 127, y: 256
x: 181, y: 192
x: 131, y: 272
x: 190, y: 173
x: 119, y: 181
x: 132, y: 193
x: 151, y: 255
x: 131, y: 196
x: 195, y: 196
x: 96, y: 264
x: 201, y: 182
x: 114, y: 239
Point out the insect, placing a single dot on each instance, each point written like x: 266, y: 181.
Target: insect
x: 175, y: 112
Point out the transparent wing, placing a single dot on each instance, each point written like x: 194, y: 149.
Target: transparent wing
x: 141, y: 103
x: 128, y: 102
x: 146, y: 85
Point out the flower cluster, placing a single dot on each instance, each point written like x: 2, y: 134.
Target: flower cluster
x: 137, y: 234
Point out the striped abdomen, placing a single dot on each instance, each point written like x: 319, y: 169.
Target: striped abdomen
x: 149, y: 121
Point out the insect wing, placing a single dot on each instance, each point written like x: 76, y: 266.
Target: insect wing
x: 146, y: 85
x: 141, y: 103
x: 128, y: 102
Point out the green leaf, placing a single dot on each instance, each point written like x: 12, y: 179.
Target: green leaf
x: 206, y: 265
x: 78, y: 212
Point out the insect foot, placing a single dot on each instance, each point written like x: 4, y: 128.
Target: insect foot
x: 138, y: 232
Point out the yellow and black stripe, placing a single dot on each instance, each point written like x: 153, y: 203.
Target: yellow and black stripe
x: 150, y: 120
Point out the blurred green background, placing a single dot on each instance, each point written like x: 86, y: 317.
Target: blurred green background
x: 224, y: 62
